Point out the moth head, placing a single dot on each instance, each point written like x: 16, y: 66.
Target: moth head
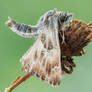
x: 65, y: 18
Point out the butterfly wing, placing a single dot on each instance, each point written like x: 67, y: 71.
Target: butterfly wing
x: 43, y: 58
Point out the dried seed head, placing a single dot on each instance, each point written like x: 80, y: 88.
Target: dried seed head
x: 77, y: 35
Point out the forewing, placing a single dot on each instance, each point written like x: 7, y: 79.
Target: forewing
x: 43, y: 58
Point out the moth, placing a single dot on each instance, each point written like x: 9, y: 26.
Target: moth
x: 58, y: 38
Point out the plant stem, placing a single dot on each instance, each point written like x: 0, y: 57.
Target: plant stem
x: 19, y: 80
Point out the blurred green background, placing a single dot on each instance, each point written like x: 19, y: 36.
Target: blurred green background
x: 12, y: 46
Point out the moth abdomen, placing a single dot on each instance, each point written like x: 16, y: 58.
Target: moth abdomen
x: 22, y: 27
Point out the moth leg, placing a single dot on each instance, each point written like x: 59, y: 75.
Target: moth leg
x: 22, y: 29
x: 18, y: 81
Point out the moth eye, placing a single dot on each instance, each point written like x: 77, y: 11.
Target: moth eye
x: 65, y: 16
